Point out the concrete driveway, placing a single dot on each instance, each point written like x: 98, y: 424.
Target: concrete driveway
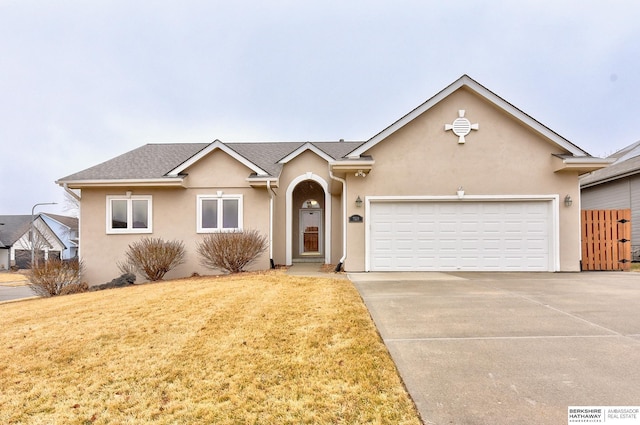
x: 509, y: 348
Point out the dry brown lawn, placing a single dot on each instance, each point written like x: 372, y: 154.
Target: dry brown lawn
x: 246, y: 349
x: 13, y: 279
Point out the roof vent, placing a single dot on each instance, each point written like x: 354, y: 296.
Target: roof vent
x: 461, y: 126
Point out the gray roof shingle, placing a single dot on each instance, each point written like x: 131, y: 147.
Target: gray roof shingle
x: 627, y: 163
x: 14, y: 226
x: 153, y: 161
x: 146, y: 162
x: 70, y: 222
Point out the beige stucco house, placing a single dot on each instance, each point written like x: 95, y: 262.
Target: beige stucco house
x: 464, y: 182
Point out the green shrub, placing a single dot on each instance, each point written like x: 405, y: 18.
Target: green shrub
x: 57, y: 277
x: 231, y: 251
x: 153, y: 257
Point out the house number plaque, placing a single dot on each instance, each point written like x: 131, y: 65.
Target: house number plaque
x: 356, y: 219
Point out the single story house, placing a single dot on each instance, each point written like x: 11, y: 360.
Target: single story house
x: 464, y: 182
x: 617, y: 187
x: 16, y: 241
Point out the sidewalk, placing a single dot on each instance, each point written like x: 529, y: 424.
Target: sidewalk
x: 315, y: 270
x: 15, y: 293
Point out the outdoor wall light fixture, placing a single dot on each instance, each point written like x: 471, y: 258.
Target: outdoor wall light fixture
x: 358, y: 202
x: 568, y: 201
x: 360, y: 173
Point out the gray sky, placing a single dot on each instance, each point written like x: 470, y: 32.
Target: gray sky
x: 84, y: 81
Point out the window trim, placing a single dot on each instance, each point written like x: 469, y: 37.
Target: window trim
x: 220, y: 199
x: 129, y: 229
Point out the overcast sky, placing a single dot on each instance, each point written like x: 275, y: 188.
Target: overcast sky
x: 84, y: 81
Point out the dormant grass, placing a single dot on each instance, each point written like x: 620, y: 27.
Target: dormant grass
x: 13, y: 279
x: 244, y: 349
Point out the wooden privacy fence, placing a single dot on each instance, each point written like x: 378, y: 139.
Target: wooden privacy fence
x: 606, y: 240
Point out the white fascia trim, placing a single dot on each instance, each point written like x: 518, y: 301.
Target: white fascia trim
x: 262, y: 179
x: 482, y: 91
x: 351, y: 162
x: 587, y: 160
x: 307, y: 146
x: 213, y: 146
x: 163, y: 181
x: 554, y: 199
x: 49, y: 231
x: 476, y: 198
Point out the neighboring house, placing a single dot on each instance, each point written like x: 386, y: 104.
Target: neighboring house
x: 466, y: 181
x: 66, y: 228
x: 15, y: 237
x: 617, y: 187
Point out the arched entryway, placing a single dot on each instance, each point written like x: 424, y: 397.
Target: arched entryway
x: 308, y: 219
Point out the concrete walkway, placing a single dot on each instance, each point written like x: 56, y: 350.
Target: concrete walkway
x: 509, y: 348
x: 314, y: 270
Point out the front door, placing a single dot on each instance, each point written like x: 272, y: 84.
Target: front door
x: 311, y: 231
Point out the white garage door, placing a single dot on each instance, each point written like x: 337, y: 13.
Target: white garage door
x: 472, y: 236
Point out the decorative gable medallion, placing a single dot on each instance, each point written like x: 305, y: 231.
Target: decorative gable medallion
x: 461, y: 126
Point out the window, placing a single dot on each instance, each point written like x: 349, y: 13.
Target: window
x: 129, y: 214
x: 217, y: 213
x: 310, y: 203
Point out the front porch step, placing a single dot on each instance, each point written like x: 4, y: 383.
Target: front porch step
x: 319, y: 260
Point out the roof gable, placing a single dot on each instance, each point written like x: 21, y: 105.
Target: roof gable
x: 13, y: 228
x: 467, y: 82
x: 68, y: 222
x: 217, y: 144
x: 306, y: 147
x: 16, y: 227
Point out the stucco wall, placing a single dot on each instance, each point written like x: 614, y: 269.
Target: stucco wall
x: 297, y: 170
x: 503, y: 157
x: 173, y: 217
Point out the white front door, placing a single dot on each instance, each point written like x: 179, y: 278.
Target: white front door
x: 310, y: 231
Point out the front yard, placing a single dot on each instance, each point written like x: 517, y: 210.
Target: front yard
x: 244, y: 349
x: 13, y: 279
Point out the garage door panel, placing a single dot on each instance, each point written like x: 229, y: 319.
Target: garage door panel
x: 492, y: 236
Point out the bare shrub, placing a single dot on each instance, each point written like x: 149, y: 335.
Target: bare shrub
x: 231, y: 251
x: 153, y: 257
x: 57, y: 277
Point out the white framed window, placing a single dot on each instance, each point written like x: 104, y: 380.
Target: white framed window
x: 129, y: 214
x: 217, y: 213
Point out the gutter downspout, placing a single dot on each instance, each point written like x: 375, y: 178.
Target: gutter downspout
x: 79, y: 199
x: 344, y: 218
x: 271, y: 201
x: 71, y: 192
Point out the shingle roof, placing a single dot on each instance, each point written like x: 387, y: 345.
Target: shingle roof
x: 153, y: 161
x: 627, y: 163
x: 15, y: 226
x: 146, y: 162
x: 70, y: 222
